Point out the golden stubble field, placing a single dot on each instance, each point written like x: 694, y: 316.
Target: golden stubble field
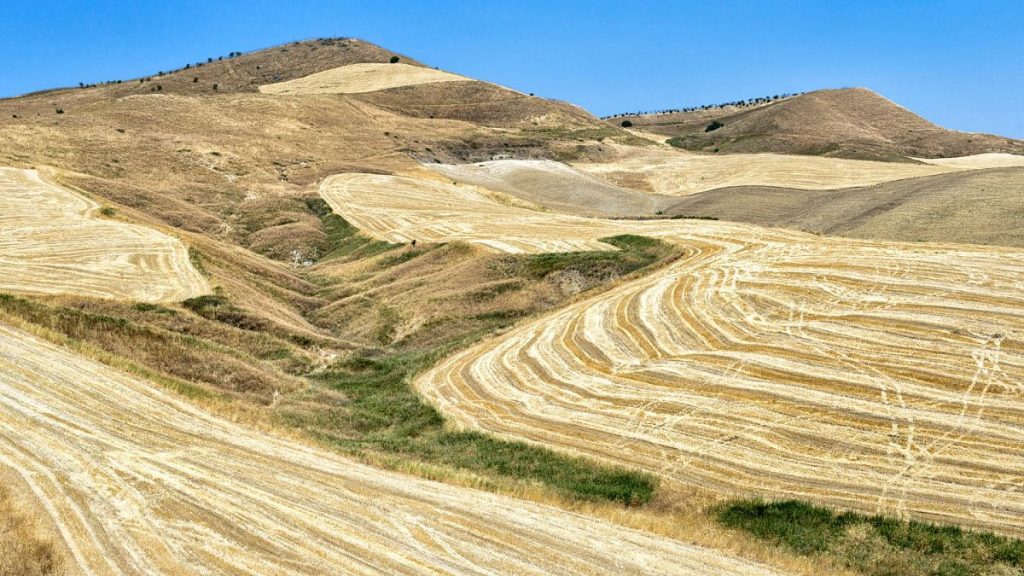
x: 672, y: 172
x: 873, y: 375
x: 129, y: 479
x: 139, y: 482
x: 53, y: 241
x: 363, y: 77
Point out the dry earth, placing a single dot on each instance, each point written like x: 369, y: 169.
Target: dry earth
x: 872, y: 375
x: 678, y: 173
x: 358, y: 78
x: 51, y: 242
x: 140, y: 482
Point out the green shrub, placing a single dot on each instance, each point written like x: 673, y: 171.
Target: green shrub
x: 715, y: 125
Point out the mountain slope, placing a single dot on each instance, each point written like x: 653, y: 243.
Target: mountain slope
x: 846, y: 123
x: 977, y: 207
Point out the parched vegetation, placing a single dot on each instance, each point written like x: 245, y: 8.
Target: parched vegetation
x: 358, y: 398
x: 25, y: 548
x: 876, y: 545
x: 383, y: 413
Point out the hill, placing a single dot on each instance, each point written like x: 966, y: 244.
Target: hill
x: 976, y: 206
x: 845, y: 123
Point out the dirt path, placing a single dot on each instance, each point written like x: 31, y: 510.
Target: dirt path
x: 139, y: 482
x: 874, y: 375
x: 52, y: 241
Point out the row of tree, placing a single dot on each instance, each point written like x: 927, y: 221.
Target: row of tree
x: 735, y: 104
x: 162, y: 73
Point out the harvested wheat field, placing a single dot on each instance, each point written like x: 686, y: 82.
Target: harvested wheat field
x: 51, y: 242
x: 359, y: 78
x: 402, y: 209
x: 140, y: 482
x: 873, y: 375
x: 556, y: 186
x: 678, y: 173
x: 978, y: 161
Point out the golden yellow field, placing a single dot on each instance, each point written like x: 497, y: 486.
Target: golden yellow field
x: 358, y: 78
x: 52, y: 241
x: 978, y: 161
x: 402, y: 209
x: 677, y: 173
x: 873, y: 375
x: 140, y: 482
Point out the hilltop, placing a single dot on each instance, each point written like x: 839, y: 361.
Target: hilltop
x: 845, y: 123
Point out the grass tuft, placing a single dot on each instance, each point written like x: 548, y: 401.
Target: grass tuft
x: 876, y: 545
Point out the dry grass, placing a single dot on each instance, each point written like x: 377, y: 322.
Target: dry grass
x: 27, y: 548
x: 313, y: 513
x: 978, y: 161
x: 556, y: 186
x: 973, y: 206
x: 849, y: 123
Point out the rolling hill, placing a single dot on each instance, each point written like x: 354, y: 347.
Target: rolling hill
x: 976, y: 207
x: 844, y: 123
x: 321, y: 308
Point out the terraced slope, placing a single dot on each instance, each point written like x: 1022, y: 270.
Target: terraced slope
x: 139, y: 482
x: 874, y: 375
x: 362, y: 77
x: 51, y: 241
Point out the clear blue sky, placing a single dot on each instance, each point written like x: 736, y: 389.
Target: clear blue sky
x: 958, y: 63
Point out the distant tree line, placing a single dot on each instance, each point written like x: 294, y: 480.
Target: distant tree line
x: 735, y: 104
x: 162, y: 73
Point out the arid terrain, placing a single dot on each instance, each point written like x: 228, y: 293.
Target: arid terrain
x: 139, y: 482
x: 727, y: 367
x: 324, y: 309
x: 845, y: 123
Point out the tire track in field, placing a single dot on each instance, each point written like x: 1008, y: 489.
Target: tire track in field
x: 139, y: 482
x: 51, y: 243
x: 874, y: 375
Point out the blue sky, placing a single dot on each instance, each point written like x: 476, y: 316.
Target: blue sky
x: 958, y: 63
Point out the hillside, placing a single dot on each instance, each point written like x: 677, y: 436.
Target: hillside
x: 845, y: 123
x: 976, y: 207
x: 437, y: 324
